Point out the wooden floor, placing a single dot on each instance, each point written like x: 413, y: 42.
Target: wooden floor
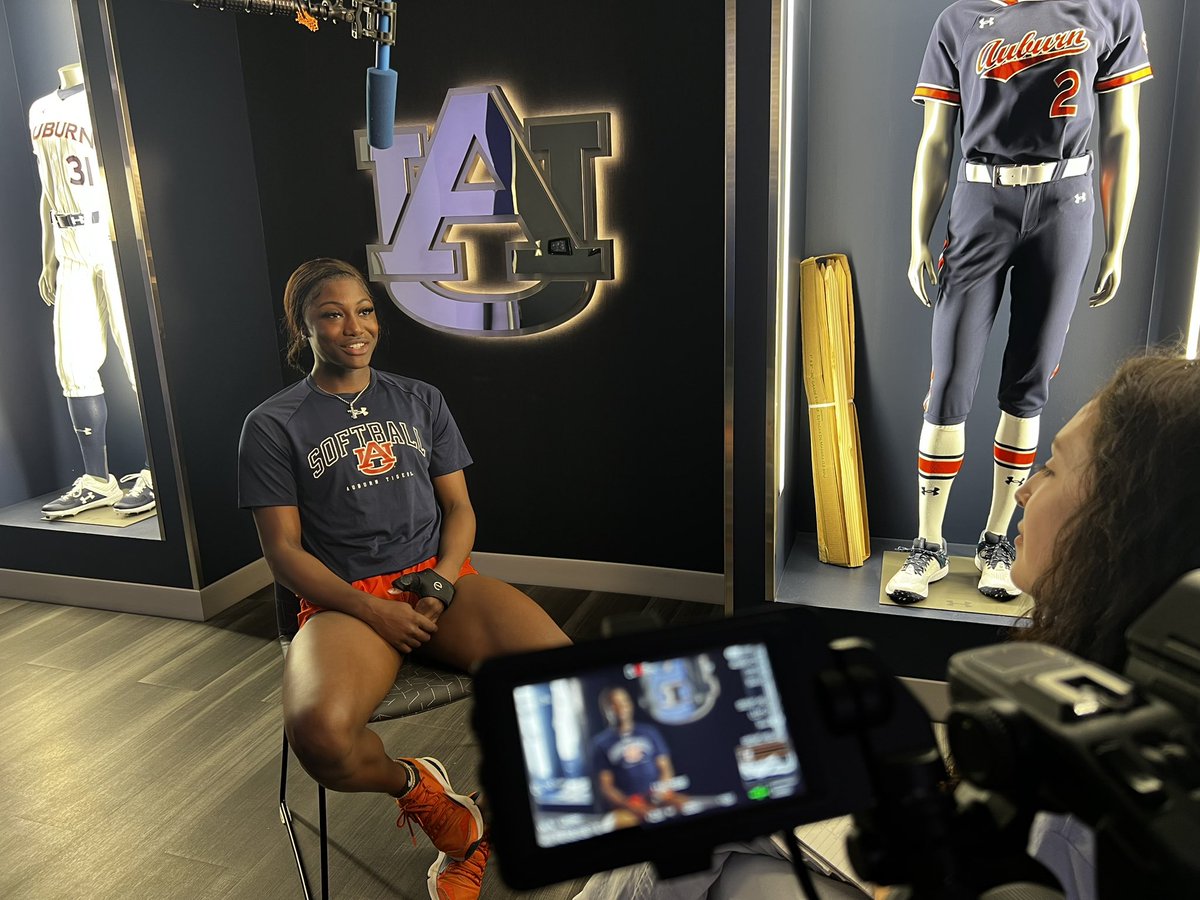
x: 139, y: 758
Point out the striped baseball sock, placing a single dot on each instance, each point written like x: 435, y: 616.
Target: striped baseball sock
x: 939, y: 458
x: 1014, y: 451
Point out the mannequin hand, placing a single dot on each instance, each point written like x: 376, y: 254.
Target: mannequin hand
x: 402, y: 626
x: 920, y: 268
x: 47, y: 283
x: 1107, y: 281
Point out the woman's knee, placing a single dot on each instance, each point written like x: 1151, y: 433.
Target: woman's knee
x: 322, y: 735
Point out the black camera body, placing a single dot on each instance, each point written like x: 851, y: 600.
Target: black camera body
x: 659, y: 746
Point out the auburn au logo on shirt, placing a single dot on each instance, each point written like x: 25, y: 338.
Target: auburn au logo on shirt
x: 376, y: 458
x: 373, y: 444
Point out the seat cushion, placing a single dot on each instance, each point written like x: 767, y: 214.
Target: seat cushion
x: 419, y: 688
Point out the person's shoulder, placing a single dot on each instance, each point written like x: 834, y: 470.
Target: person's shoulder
x: 280, y: 406
x: 413, y: 387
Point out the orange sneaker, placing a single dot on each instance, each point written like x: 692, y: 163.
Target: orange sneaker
x: 452, y: 821
x: 455, y: 879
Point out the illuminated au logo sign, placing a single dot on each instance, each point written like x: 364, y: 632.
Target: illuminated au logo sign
x: 488, y: 226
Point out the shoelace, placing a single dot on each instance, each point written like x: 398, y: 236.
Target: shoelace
x: 427, y: 815
x: 918, y: 560
x: 1002, y: 553
x: 139, y: 486
x: 75, y: 491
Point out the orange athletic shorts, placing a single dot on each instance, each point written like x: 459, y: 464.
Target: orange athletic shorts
x: 379, y: 585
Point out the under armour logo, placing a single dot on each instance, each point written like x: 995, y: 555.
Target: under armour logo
x: 1080, y: 197
x: 930, y: 490
x: 1011, y: 480
x: 84, y: 431
x: 360, y: 411
x: 987, y: 22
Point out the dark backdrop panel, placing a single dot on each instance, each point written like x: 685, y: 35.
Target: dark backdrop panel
x: 600, y: 439
x: 191, y: 133
x: 864, y: 64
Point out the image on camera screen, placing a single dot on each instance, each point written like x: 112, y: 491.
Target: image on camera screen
x: 652, y: 742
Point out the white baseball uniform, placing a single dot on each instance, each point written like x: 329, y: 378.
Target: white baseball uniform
x: 87, y: 298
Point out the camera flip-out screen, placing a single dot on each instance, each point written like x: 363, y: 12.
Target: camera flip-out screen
x: 658, y: 746
x: 645, y: 742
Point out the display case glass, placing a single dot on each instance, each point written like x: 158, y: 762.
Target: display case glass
x: 72, y: 435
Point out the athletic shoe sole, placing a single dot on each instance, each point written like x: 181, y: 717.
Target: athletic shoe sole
x: 95, y: 504
x: 438, y: 771
x: 906, y: 598
x: 134, y: 510
x: 432, y: 875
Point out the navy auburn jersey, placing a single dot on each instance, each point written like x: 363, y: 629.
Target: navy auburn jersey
x: 1026, y: 72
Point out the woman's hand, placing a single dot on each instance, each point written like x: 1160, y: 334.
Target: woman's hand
x: 431, y: 608
x: 402, y: 626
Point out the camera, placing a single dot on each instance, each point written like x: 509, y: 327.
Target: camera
x: 659, y: 746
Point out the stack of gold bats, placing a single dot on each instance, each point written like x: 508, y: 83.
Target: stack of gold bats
x: 827, y: 342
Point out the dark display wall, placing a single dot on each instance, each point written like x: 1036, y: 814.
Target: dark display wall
x: 192, y: 138
x: 600, y: 439
x: 863, y: 65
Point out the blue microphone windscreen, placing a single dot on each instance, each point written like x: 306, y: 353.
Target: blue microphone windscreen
x: 381, y: 107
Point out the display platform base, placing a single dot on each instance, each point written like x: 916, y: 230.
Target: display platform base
x: 28, y: 514
x: 106, y: 516
x: 915, y: 641
x: 957, y: 592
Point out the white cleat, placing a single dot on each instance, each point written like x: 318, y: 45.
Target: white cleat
x: 994, y: 558
x: 926, y: 564
x: 88, y: 492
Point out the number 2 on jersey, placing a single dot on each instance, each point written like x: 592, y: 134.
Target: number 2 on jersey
x: 1069, y: 80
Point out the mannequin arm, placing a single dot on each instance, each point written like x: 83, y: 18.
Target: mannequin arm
x: 931, y: 178
x: 1120, y: 150
x: 49, y: 276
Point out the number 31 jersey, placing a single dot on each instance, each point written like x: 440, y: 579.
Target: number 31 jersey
x: 1026, y: 72
x: 60, y: 127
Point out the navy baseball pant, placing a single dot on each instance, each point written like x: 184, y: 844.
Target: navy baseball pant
x: 1043, y: 233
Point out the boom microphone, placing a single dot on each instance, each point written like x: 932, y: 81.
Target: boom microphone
x: 381, y: 91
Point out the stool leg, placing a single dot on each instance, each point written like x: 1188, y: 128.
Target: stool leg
x: 285, y: 816
x: 324, y: 844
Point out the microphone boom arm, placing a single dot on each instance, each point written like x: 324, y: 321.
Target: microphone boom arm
x: 371, y: 20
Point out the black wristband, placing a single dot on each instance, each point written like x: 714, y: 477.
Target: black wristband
x: 426, y: 583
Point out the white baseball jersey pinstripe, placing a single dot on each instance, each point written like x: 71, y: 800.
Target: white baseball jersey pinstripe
x: 87, y: 301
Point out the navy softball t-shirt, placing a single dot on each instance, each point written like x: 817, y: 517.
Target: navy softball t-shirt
x: 363, y: 484
x: 630, y: 757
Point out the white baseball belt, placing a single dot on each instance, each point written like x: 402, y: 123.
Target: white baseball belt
x: 1018, y: 176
